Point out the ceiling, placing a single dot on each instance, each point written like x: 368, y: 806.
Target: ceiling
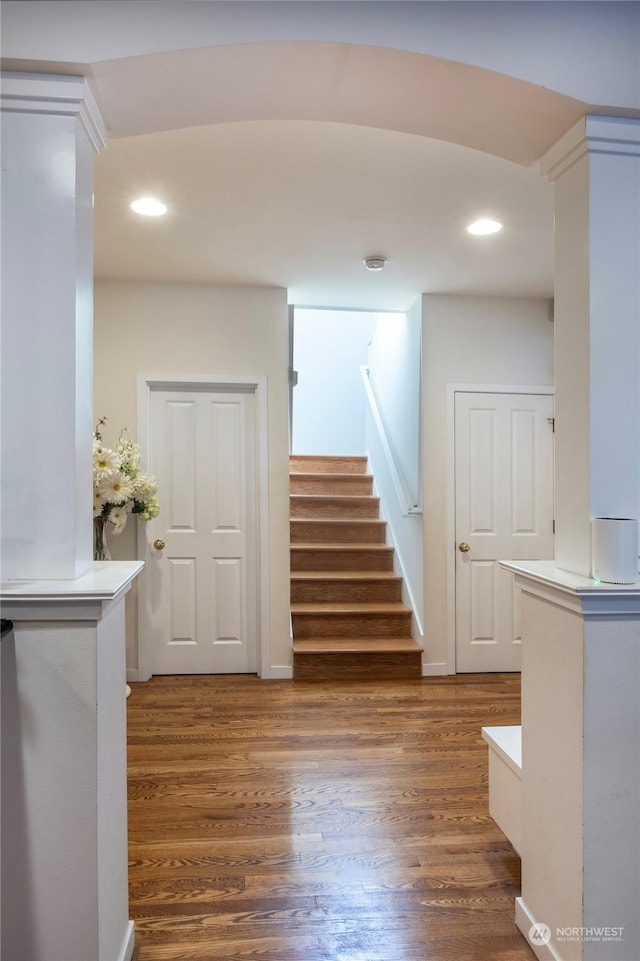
x: 285, y: 164
x: 299, y: 204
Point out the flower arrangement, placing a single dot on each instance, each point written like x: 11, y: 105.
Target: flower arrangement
x: 120, y: 487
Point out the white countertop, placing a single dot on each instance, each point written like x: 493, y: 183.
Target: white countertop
x: 546, y: 572
x: 104, y: 582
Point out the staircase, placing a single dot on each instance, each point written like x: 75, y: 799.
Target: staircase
x: 348, y: 618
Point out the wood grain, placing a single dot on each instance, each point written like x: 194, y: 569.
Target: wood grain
x: 294, y: 821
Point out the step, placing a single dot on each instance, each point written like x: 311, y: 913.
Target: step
x: 378, y: 586
x: 351, y: 645
x: 505, y: 780
x: 338, y: 531
x: 328, y: 464
x: 333, y: 505
x: 341, y: 557
x: 357, y: 659
x: 304, y: 483
x: 351, y: 620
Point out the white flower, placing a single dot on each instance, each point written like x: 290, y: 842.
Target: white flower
x: 116, y: 487
x: 118, y: 517
x: 144, y: 487
x: 99, y: 500
x: 119, y: 486
x: 104, y: 461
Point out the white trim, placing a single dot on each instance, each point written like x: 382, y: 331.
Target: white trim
x: 582, y: 595
x: 524, y: 921
x: 280, y: 672
x: 591, y: 135
x: 213, y: 382
x: 62, y: 96
x: 128, y: 943
x: 87, y: 598
x: 133, y: 675
x: 435, y: 669
x: 452, y: 390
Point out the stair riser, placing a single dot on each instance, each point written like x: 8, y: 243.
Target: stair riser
x: 356, y: 667
x: 319, y: 532
x: 338, y: 592
x: 339, y: 560
x: 321, y: 485
x: 313, y: 507
x: 327, y: 465
x: 360, y: 624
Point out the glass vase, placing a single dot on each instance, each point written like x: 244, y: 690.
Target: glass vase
x: 100, y: 543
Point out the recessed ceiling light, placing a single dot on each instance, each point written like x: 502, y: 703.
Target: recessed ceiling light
x: 485, y: 226
x: 374, y: 263
x: 149, y: 207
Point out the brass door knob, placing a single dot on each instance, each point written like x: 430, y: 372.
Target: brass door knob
x: 158, y: 544
x: 462, y: 546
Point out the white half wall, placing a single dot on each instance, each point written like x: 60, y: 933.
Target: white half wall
x: 198, y: 329
x: 474, y: 340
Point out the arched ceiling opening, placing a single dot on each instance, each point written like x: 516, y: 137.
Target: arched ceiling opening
x: 336, y: 82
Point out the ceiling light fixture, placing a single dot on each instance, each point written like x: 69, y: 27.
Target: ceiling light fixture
x: 149, y: 207
x: 374, y: 263
x: 484, y: 227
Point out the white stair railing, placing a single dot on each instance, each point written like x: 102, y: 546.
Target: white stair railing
x: 407, y: 502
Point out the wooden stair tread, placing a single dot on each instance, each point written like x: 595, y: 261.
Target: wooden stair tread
x: 338, y: 546
x: 358, y: 521
x: 313, y: 475
x: 346, y: 645
x: 347, y: 498
x: 345, y: 576
x: 351, y: 607
x: 328, y: 463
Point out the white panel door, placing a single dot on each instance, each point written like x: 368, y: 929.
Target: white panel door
x: 203, y: 580
x: 504, y: 511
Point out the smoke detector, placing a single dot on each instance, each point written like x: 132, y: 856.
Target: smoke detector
x: 374, y: 263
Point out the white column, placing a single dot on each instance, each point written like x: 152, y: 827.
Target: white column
x: 580, y: 764
x: 596, y: 170
x: 50, y: 130
x: 64, y: 782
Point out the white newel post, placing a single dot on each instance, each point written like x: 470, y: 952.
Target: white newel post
x: 64, y: 885
x: 581, y: 639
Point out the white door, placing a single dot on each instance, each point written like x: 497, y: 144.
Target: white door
x: 202, y: 568
x: 504, y: 511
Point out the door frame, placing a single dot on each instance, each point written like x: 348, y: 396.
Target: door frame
x: 452, y: 390
x: 214, y: 383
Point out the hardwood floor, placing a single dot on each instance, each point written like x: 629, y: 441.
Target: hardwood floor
x: 295, y: 821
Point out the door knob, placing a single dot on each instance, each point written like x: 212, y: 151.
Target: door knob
x: 462, y: 546
x: 158, y: 544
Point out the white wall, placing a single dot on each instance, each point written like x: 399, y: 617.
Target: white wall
x: 394, y: 373
x: 328, y: 402
x: 198, y: 329
x: 394, y: 377
x: 472, y: 340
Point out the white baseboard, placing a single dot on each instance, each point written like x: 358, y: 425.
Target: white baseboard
x: 132, y: 674
x: 525, y: 921
x: 435, y: 669
x: 279, y: 672
x: 128, y: 943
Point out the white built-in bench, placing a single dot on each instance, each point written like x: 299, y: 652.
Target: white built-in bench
x: 505, y: 780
